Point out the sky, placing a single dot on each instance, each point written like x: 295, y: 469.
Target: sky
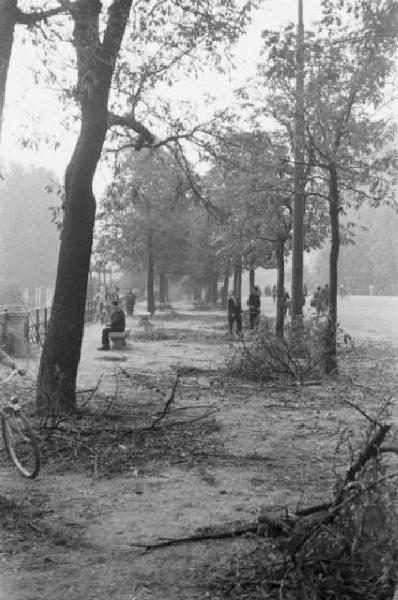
x: 29, y: 106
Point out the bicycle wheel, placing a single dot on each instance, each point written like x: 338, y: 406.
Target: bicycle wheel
x: 21, y: 443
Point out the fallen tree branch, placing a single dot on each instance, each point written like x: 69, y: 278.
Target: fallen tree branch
x: 393, y: 449
x: 277, y: 525
x: 362, y: 412
x: 168, y: 403
x: 201, y: 537
x: 371, y: 449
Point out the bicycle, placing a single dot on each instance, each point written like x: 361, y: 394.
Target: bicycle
x: 19, y: 438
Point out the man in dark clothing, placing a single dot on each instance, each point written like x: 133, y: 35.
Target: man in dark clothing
x: 254, y: 303
x: 130, y: 302
x: 287, y: 303
x: 325, y: 296
x: 234, y: 312
x: 118, y: 323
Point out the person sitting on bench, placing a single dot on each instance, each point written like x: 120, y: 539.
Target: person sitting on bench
x: 118, y: 323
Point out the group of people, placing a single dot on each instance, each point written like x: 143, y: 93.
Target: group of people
x: 234, y: 310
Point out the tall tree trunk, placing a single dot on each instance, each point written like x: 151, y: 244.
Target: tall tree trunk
x: 150, y: 292
x: 224, y: 293
x: 61, y: 350
x: 252, y: 272
x: 162, y: 287
x: 8, y: 17
x: 207, y: 290
x: 197, y: 291
x: 238, y: 280
x: 331, y: 350
x: 56, y: 389
x: 213, y: 288
x: 280, y: 286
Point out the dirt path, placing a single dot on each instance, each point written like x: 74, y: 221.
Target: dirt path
x: 70, y: 534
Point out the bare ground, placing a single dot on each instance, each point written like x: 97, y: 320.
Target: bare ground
x: 224, y: 449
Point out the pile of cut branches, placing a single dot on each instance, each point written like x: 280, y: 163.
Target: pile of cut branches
x: 343, y: 549
x: 127, y: 432
x: 267, y: 357
x: 346, y: 548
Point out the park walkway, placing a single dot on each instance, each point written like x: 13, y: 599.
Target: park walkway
x: 160, y: 356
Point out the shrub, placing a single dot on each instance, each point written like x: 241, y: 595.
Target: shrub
x: 265, y: 356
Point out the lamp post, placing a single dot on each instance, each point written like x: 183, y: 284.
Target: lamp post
x: 299, y: 179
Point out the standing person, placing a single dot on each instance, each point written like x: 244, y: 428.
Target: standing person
x: 118, y: 323
x: 318, y: 302
x: 274, y: 293
x: 305, y: 293
x: 287, y: 304
x: 254, y: 303
x: 325, y: 296
x: 234, y: 311
x: 130, y: 302
x: 342, y: 291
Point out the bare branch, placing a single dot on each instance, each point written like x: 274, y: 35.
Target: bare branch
x: 145, y: 137
x: 31, y: 19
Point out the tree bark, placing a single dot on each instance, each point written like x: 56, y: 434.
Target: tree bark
x: 197, y: 291
x: 331, y: 350
x: 213, y: 288
x: 150, y: 292
x: 252, y: 272
x: 224, y: 293
x: 238, y: 280
x: 207, y: 290
x: 56, y: 392
x: 280, y: 286
x: 163, y: 287
x: 10, y: 16
x: 61, y: 351
x: 8, y: 19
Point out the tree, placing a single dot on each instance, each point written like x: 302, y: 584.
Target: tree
x: 166, y: 36
x: 349, y: 154
x: 253, y: 186
x: 145, y: 217
x: 11, y: 16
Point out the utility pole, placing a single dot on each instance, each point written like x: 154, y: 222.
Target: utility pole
x: 299, y: 181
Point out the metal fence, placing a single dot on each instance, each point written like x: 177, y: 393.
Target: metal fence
x: 37, y: 324
x: 38, y: 319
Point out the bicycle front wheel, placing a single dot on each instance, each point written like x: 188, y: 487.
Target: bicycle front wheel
x: 21, y: 443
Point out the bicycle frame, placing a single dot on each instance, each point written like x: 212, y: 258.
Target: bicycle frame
x: 19, y: 437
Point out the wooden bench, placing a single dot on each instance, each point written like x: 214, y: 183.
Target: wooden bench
x: 118, y: 338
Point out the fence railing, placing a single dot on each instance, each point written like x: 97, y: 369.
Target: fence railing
x: 38, y: 319
x: 37, y: 324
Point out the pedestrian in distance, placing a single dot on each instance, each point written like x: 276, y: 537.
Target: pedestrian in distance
x: 234, y: 312
x: 305, y: 293
x: 130, y: 302
x: 117, y: 323
x: 325, y: 294
x: 254, y: 303
x: 274, y: 293
x: 317, y: 302
x: 287, y: 303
